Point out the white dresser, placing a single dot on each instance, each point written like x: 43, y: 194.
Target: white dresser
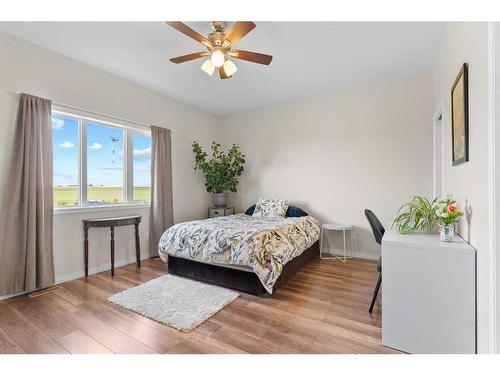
x: 428, y: 294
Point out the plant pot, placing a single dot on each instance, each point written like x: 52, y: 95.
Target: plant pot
x: 219, y: 199
x: 446, y: 233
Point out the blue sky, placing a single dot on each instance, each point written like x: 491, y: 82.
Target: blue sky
x: 104, y: 157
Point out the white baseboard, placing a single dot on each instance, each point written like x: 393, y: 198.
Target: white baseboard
x: 96, y: 269
x: 13, y: 295
x: 356, y: 254
x: 122, y: 262
x: 79, y: 274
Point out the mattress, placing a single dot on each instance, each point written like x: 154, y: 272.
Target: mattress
x: 256, y: 244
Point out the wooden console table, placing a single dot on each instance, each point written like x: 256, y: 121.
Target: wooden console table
x: 111, y: 223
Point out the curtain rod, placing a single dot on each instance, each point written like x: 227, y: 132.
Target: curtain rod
x: 141, y: 124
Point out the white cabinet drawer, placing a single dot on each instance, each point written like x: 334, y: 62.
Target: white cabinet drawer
x: 216, y: 213
x: 220, y: 211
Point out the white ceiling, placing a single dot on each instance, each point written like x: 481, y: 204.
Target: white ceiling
x: 309, y: 57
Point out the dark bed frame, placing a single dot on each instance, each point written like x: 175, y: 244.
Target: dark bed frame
x: 243, y: 281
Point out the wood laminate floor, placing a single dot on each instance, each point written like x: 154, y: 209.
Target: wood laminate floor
x: 322, y: 309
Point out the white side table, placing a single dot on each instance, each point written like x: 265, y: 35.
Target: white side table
x: 336, y: 227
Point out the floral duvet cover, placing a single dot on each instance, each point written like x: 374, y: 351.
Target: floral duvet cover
x: 264, y: 244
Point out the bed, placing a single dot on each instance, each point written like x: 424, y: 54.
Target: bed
x: 242, y: 252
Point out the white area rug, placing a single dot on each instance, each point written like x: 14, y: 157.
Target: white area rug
x: 178, y: 302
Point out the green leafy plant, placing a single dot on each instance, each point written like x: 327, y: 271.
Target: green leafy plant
x: 419, y: 214
x: 448, y: 212
x: 223, y: 170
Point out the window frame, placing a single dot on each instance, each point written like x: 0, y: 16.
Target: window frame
x: 83, y: 119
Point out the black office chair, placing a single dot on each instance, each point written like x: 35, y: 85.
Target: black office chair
x: 378, y: 232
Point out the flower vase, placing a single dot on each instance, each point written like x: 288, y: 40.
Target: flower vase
x: 446, y: 233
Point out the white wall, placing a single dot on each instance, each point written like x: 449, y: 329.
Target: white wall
x: 26, y: 67
x: 336, y: 154
x: 495, y: 125
x: 468, y: 182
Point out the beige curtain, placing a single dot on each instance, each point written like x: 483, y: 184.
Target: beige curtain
x: 26, y: 257
x: 161, y: 216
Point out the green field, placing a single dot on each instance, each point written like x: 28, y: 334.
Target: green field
x: 68, y: 195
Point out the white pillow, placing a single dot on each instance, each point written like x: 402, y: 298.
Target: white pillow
x: 271, y: 208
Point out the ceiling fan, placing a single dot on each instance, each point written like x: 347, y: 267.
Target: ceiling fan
x: 219, y: 47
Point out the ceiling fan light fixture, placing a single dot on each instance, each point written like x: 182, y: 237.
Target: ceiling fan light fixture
x: 217, y: 57
x: 219, y: 47
x: 208, y: 67
x: 229, y: 68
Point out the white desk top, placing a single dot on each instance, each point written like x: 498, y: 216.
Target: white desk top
x: 426, y: 241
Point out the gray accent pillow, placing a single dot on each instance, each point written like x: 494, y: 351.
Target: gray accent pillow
x: 271, y: 208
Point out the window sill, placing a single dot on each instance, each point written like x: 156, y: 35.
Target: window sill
x: 90, y: 209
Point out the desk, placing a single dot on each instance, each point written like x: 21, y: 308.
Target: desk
x: 111, y: 223
x: 428, y: 294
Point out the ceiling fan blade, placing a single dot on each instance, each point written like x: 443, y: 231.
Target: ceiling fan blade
x: 185, y: 29
x: 222, y: 73
x: 191, y: 56
x: 239, y: 30
x: 255, y: 57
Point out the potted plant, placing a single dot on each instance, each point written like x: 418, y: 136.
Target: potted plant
x: 221, y: 171
x: 418, y: 215
x: 447, y: 213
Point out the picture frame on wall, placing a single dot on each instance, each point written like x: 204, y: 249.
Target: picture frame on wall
x: 460, y: 117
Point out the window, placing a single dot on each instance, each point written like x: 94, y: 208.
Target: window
x: 142, y: 167
x: 65, y: 144
x: 105, y: 164
x: 99, y: 162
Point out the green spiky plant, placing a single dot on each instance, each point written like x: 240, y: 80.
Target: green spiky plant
x: 222, y: 172
x: 418, y: 215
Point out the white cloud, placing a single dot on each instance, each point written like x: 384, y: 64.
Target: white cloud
x: 57, y: 123
x: 95, y: 146
x: 66, y: 144
x: 64, y: 174
x: 110, y: 167
x: 142, y: 169
x: 142, y: 154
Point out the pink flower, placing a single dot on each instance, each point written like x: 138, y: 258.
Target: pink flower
x: 452, y: 208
